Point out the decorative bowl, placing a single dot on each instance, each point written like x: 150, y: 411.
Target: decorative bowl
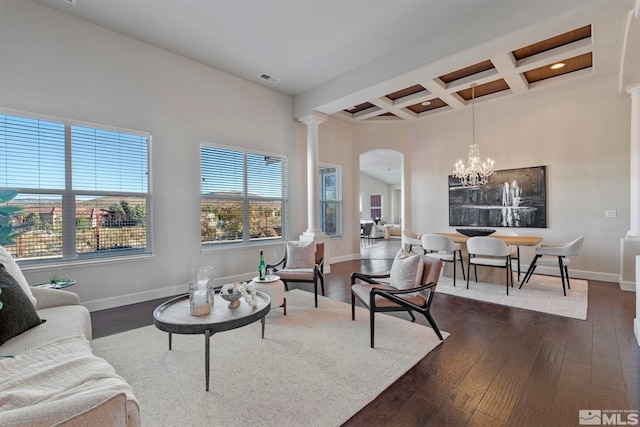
x: 472, y: 232
x: 233, y: 298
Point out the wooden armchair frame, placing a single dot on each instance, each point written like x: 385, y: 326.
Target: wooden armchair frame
x: 432, y: 268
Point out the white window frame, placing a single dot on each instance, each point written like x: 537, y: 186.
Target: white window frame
x: 245, y: 198
x: 337, y: 201
x: 68, y: 195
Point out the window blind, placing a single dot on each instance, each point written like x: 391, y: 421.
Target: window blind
x: 243, y: 196
x: 83, y: 191
x: 330, y: 185
x: 108, y: 161
x: 31, y: 153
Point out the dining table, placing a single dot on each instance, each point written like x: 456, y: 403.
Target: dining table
x: 509, y: 240
x: 486, y: 274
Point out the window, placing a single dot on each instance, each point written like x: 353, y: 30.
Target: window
x: 243, y: 196
x: 330, y: 200
x: 376, y: 206
x: 83, y: 190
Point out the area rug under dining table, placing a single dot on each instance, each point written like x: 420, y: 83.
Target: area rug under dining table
x: 541, y: 293
x: 314, y: 367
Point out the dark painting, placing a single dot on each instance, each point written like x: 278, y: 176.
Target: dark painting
x: 511, y: 198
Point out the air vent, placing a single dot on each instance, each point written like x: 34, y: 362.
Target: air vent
x: 270, y: 79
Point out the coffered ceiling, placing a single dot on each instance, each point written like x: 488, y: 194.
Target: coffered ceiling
x: 564, y: 56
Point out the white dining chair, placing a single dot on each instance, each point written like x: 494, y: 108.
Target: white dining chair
x: 410, y: 239
x: 442, y: 247
x: 546, y: 255
x: 515, y: 249
x: 489, y: 252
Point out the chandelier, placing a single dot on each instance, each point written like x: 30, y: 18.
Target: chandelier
x: 475, y: 172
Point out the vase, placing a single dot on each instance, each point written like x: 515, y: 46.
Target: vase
x: 201, y: 291
x: 233, y: 298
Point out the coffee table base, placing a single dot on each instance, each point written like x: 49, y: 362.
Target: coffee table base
x: 207, y: 351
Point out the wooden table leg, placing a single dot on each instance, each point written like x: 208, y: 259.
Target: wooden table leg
x: 207, y: 336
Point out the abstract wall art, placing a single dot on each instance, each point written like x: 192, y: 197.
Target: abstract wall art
x: 511, y: 198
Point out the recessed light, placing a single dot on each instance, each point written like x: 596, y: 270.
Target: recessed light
x: 557, y: 65
x: 425, y: 103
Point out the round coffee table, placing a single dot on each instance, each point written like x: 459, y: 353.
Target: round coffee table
x: 173, y: 317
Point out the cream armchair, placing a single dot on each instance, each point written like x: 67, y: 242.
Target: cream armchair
x: 303, y: 262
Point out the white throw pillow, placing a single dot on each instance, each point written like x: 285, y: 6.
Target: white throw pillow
x: 406, y: 270
x: 14, y: 270
x: 301, y: 254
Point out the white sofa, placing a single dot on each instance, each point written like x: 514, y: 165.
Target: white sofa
x: 377, y: 232
x: 53, y: 378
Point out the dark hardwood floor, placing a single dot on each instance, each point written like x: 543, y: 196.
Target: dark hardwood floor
x: 500, y: 366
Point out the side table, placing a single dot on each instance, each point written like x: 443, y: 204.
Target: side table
x: 58, y: 285
x: 275, y: 290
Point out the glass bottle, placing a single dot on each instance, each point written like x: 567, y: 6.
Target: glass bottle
x: 261, y: 267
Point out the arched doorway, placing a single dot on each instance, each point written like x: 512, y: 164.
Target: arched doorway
x: 381, y: 172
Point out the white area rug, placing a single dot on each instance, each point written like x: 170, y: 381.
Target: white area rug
x: 542, y: 293
x: 314, y: 367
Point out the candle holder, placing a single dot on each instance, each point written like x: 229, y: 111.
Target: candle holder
x: 201, y: 291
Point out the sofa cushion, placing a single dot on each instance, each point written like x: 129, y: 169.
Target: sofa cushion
x: 301, y: 254
x: 296, y: 274
x: 406, y: 270
x: 57, y: 380
x: 110, y: 412
x: 65, y: 321
x: 18, y: 313
x: 14, y: 270
x: 363, y: 291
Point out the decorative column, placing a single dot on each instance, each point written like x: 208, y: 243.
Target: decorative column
x: 634, y: 199
x: 314, y: 232
x: 313, y: 191
x: 630, y: 244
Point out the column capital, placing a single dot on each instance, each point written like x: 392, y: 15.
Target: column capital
x: 633, y: 89
x: 314, y: 119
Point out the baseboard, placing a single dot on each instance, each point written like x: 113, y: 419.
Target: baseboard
x: 344, y: 258
x: 578, y: 274
x: 626, y: 286
x: 121, y: 300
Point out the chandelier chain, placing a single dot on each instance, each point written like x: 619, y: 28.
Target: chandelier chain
x: 475, y: 172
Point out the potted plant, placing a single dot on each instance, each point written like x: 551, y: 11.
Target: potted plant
x: 58, y: 279
x: 8, y: 231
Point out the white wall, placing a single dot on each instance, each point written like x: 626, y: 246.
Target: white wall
x: 335, y: 148
x: 581, y: 135
x: 369, y: 186
x: 57, y: 65
x: 396, y: 205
